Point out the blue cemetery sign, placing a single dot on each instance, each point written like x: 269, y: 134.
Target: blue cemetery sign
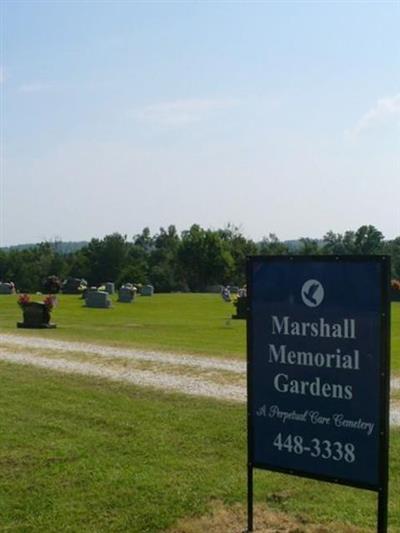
x: 318, y: 368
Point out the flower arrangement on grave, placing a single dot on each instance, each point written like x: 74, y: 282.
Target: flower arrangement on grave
x: 36, y: 314
x: 23, y: 300
x: 50, y: 302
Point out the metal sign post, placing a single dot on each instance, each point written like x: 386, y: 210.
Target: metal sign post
x: 318, y: 373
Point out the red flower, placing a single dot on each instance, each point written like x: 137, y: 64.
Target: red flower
x: 49, y: 302
x: 23, y: 300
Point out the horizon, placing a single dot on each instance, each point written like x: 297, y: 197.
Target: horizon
x: 282, y: 117
x: 130, y: 238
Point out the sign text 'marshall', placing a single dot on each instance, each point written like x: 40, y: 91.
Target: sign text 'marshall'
x: 345, y: 329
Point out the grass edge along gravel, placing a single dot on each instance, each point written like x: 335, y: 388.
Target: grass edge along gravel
x: 80, y: 454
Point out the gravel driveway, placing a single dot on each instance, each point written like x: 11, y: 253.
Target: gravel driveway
x: 222, y: 379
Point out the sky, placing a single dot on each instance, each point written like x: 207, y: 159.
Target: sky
x: 276, y: 117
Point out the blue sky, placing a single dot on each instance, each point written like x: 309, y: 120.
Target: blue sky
x: 276, y: 116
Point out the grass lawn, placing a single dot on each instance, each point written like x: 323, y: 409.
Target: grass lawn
x: 78, y: 454
x: 81, y: 454
x: 195, y: 323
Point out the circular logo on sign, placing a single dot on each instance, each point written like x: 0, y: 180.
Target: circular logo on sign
x: 312, y: 293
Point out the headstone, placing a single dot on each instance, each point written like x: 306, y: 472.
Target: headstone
x: 147, y: 290
x: 52, y: 285
x: 110, y: 287
x: 100, y: 299
x: 126, y: 294
x: 7, y: 288
x: 73, y: 286
x: 36, y: 316
x: 86, y: 290
x: 226, y: 294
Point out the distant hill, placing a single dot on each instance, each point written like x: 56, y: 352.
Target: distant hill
x: 61, y: 247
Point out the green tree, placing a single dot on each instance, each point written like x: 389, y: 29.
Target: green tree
x: 368, y: 240
x: 136, y: 267
x: 3, y: 266
x: 309, y: 246
x: 239, y: 248
x: 163, y: 260
x: 392, y: 248
x: 271, y: 245
x: 106, y: 258
x: 333, y: 244
x: 204, y: 258
x: 144, y: 240
x: 77, y: 265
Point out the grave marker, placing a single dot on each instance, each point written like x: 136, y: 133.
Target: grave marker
x: 99, y: 299
x: 147, y: 290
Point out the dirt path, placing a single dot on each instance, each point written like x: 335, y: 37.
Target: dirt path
x: 193, y: 375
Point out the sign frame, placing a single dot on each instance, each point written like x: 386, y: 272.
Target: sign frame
x: 384, y: 382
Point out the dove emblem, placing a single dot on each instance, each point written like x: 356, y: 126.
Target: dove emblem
x: 312, y: 293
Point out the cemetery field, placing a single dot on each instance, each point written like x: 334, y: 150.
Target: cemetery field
x: 186, y: 323
x: 190, y: 323
x: 82, y: 454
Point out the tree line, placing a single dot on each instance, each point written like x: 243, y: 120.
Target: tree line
x: 188, y: 261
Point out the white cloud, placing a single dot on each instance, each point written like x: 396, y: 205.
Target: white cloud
x: 385, y: 109
x: 2, y: 75
x: 34, y: 87
x: 181, y: 112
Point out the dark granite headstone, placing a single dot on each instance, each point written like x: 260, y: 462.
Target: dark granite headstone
x: 52, y: 285
x: 36, y: 315
x: 73, y: 286
x: 126, y: 294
